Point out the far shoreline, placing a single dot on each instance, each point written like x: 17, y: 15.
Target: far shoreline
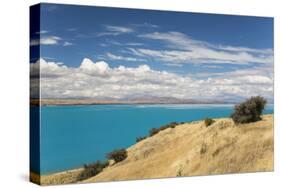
x: 68, y: 102
x: 88, y: 102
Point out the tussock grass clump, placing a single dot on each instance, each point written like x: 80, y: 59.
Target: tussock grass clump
x: 118, y: 155
x: 249, y: 111
x: 180, y: 171
x: 208, y: 122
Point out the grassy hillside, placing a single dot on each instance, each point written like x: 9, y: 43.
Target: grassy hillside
x: 189, y: 149
x: 193, y: 149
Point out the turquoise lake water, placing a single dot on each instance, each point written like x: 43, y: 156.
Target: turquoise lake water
x: 72, y: 136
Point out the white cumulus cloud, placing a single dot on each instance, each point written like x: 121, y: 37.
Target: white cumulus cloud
x: 99, y: 80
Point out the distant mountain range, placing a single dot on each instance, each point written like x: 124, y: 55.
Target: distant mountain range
x: 133, y: 100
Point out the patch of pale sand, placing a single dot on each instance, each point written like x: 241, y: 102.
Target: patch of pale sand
x: 194, y: 149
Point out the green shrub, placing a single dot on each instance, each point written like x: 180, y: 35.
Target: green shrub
x: 249, y: 111
x: 208, y: 122
x: 154, y: 131
x: 92, y: 169
x: 173, y: 124
x: 118, y: 155
x: 138, y: 139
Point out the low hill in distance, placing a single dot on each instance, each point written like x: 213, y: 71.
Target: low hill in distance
x: 136, y: 100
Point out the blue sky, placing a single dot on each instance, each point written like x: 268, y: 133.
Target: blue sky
x: 201, y: 46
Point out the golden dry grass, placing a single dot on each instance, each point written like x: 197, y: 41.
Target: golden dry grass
x: 189, y: 149
x: 194, y: 149
x: 66, y: 177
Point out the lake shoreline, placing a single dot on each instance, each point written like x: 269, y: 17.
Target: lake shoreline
x: 48, y: 102
x: 70, y: 176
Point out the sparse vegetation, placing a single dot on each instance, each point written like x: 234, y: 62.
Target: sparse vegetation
x: 173, y: 124
x: 216, y: 152
x: 203, y: 149
x: 208, y: 122
x: 249, y: 111
x: 138, y: 139
x: 92, y: 169
x: 154, y: 131
x: 242, y: 149
x: 179, y: 171
x: 118, y: 155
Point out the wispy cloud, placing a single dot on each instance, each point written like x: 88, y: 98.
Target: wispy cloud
x: 184, y: 49
x: 48, y: 40
x: 114, y: 42
x: 109, y: 42
x: 119, y: 29
x: 103, y: 44
x: 134, y: 44
x: 123, y: 58
x: 146, y: 24
x: 212, y: 66
x: 244, y: 49
x: 42, y: 32
x: 49, y: 58
x: 173, y: 65
x: 67, y: 43
x: 115, y: 30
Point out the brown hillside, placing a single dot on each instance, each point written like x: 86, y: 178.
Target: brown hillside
x: 193, y: 149
x: 187, y: 150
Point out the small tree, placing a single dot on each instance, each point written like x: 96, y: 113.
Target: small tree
x: 117, y: 155
x: 249, y: 111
